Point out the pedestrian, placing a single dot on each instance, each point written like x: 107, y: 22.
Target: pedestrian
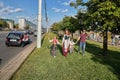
x: 116, y: 40
x: 71, y: 45
x: 100, y: 37
x: 66, y: 43
x: 113, y: 39
x: 54, y: 46
x: 82, y: 42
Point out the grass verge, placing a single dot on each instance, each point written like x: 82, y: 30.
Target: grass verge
x: 41, y: 66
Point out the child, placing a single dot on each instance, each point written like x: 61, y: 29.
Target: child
x: 54, y: 46
x: 71, y: 47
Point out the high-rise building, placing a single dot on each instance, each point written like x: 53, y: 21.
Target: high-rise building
x: 11, y: 24
x: 23, y: 23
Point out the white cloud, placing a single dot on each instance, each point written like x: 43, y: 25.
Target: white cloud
x: 58, y: 10
x: 6, y: 10
x: 67, y: 3
x: 9, y: 10
x: 64, y: 10
x: 18, y: 10
x: 23, y: 17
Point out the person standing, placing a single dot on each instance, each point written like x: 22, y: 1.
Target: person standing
x: 113, y: 39
x: 82, y: 41
x: 66, y: 43
x: 71, y: 45
x: 54, y: 46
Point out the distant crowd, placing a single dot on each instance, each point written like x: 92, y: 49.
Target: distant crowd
x: 113, y: 40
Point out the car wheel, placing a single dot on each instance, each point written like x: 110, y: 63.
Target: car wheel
x: 28, y: 41
x: 7, y: 45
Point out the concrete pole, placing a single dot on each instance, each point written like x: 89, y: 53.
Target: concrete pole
x: 39, y: 24
x: 47, y: 26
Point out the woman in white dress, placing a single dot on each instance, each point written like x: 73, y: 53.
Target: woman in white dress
x: 66, y: 43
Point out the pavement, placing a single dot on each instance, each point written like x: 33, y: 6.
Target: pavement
x: 4, y: 32
x: 7, y: 71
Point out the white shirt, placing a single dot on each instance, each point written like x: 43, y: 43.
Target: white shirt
x: 66, y: 42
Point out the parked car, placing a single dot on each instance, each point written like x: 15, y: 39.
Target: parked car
x: 17, y: 38
x: 35, y: 33
x: 30, y: 32
x: 0, y: 29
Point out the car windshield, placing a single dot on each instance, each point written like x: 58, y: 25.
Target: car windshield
x: 15, y: 36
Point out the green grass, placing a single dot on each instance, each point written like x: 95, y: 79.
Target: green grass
x: 41, y: 66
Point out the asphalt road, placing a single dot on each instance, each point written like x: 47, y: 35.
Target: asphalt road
x: 7, y: 53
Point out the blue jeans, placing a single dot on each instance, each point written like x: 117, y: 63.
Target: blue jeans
x: 82, y: 46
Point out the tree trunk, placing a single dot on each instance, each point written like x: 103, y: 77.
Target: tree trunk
x: 105, y: 41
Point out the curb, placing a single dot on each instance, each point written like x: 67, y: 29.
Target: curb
x: 13, y: 65
x: 1, y: 32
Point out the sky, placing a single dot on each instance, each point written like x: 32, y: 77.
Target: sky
x: 28, y: 9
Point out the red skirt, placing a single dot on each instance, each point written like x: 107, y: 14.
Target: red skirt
x: 65, y: 51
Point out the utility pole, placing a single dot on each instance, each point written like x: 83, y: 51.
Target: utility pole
x: 39, y: 23
x: 46, y: 16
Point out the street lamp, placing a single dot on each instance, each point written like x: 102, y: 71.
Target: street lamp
x: 39, y: 24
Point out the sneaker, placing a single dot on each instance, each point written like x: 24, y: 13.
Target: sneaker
x: 54, y: 56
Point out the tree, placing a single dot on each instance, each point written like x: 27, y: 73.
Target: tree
x: 102, y: 15
x: 56, y: 26
x: 76, y: 4
x: 3, y: 24
x: 27, y: 27
x: 116, y: 30
x: 16, y: 26
x: 105, y: 12
x: 81, y: 15
x: 70, y: 23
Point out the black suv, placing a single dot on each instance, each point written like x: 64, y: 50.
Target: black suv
x: 17, y: 38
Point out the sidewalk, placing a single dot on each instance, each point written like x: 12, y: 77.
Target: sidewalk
x: 1, y: 32
x: 9, y: 69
